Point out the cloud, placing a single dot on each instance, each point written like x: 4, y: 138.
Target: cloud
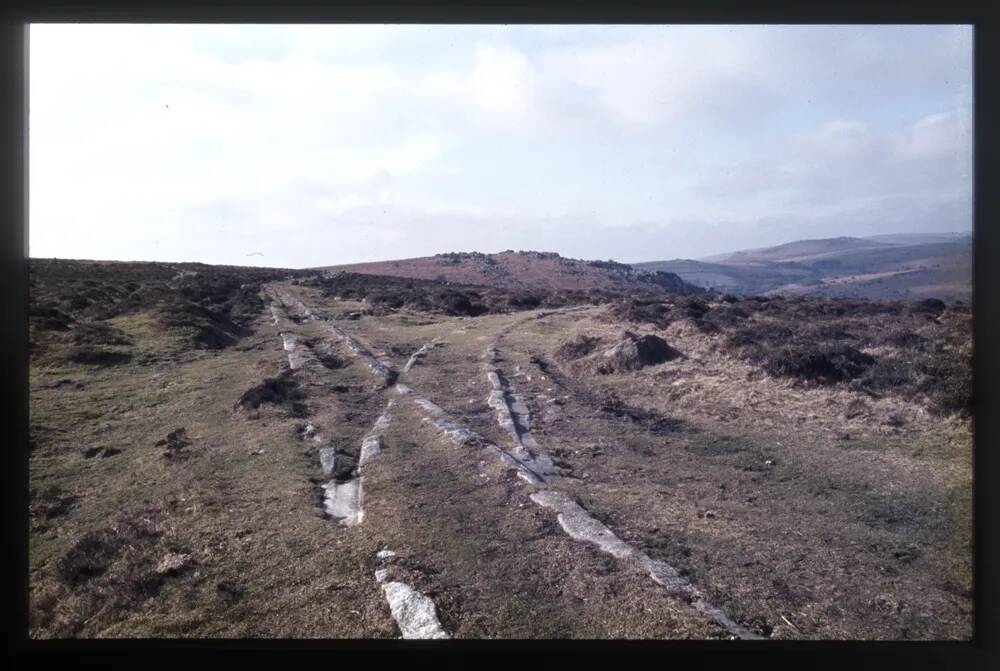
x: 845, y: 165
x: 505, y: 85
x: 361, y: 142
x: 705, y: 71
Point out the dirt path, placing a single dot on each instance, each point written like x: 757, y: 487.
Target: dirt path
x: 533, y: 467
x: 473, y: 543
x: 343, y: 499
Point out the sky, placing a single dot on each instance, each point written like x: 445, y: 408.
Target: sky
x: 308, y: 145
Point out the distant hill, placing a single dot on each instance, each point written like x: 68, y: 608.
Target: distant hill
x: 527, y: 270
x: 887, y: 266
x: 919, y: 238
x: 799, y: 250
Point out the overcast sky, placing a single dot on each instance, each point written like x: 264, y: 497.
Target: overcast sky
x: 318, y: 145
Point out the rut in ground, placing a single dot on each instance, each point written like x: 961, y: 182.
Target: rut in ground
x: 532, y: 467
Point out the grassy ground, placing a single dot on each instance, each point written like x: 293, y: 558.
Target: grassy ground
x: 804, y: 511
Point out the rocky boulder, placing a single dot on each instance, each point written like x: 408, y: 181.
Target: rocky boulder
x: 634, y: 352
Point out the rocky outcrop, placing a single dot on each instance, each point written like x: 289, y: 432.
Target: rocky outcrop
x: 634, y: 352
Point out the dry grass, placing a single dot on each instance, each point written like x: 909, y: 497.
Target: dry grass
x: 742, y: 479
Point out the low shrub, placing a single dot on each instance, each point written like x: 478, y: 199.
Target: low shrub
x: 823, y: 363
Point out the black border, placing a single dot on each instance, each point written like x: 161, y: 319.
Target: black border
x: 13, y: 102
x: 494, y: 11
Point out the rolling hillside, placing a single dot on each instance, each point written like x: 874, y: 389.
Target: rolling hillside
x: 799, y: 250
x: 891, y: 266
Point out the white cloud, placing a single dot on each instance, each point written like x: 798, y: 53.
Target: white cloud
x: 848, y: 167
x: 942, y: 136
x: 505, y: 85
x: 708, y: 71
x: 380, y: 140
x: 415, y: 152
